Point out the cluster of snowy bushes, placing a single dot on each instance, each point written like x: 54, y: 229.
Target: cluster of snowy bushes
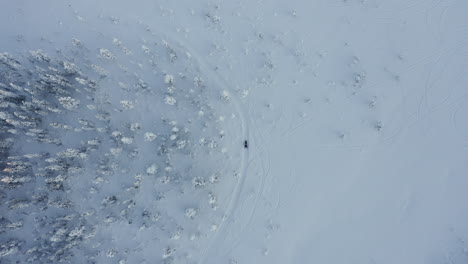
x: 112, y: 151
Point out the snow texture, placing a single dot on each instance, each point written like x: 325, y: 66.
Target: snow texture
x: 237, y: 132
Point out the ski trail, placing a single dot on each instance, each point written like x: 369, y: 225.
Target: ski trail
x: 205, y: 68
x: 234, y: 201
x: 249, y: 214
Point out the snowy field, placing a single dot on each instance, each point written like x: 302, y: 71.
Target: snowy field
x: 236, y: 132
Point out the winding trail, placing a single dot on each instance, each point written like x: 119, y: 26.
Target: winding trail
x: 235, y: 199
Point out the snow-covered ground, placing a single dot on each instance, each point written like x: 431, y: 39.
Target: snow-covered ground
x: 123, y: 129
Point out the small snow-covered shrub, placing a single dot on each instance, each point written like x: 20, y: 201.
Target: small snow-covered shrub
x: 191, y: 213
x: 170, y: 100
x: 153, y: 169
x: 69, y: 103
x: 149, y: 136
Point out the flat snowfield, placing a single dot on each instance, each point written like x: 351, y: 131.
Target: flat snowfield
x: 234, y: 132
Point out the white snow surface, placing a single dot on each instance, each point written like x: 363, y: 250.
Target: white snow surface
x: 123, y: 129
